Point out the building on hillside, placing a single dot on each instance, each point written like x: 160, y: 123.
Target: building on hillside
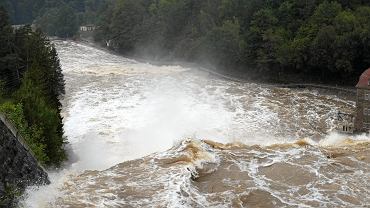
x: 87, y: 28
x: 362, y: 120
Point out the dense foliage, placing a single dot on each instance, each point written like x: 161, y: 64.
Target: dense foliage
x: 319, y: 39
x: 30, y: 84
x: 322, y: 40
x: 55, y: 17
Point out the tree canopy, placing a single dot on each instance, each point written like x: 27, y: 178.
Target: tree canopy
x: 31, y: 84
x: 321, y: 40
x: 55, y: 17
x: 327, y: 40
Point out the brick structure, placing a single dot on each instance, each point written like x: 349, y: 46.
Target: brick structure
x: 362, y: 121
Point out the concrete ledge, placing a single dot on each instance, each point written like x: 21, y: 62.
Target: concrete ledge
x: 293, y: 85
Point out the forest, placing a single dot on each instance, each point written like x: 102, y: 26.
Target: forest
x: 278, y: 40
x: 281, y: 40
x: 31, y: 83
x: 55, y: 17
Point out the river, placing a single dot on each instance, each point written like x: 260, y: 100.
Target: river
x: 142, y: 135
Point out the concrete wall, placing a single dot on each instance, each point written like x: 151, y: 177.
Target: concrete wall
x: 18, y: 166
x: 362, y: 122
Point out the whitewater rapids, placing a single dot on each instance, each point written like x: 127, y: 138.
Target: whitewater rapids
x: 142, y: 135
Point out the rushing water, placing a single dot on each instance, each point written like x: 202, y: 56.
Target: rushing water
x: 167, y: 136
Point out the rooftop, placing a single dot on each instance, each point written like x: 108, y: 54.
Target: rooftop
x: 364, y: 81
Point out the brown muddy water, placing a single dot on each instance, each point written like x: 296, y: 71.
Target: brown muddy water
x: 168, y: 136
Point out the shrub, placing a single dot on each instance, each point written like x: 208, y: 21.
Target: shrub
x: 31, y: 134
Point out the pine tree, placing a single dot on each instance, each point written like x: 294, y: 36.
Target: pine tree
x: 9, y: 73
x: 32, y: 76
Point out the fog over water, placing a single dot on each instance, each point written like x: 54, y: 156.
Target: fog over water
x: 145, y: 135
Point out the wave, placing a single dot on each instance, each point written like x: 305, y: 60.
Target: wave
x: 268, y: 146
x: 199, y: 173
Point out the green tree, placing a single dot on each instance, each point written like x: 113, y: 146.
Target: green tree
x: 32, y: 134
x: 66, y: 21
x: 126, y: 21
x: 223, y: 45
x: 33, y: 82
x: 323, y: 40
x: 9, y: 72
x: 38, y: 111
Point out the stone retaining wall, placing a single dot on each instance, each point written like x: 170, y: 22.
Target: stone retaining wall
x: 18, y: 166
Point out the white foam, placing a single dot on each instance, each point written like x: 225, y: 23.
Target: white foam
x: 117, y: 109
x: 337, y: 139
